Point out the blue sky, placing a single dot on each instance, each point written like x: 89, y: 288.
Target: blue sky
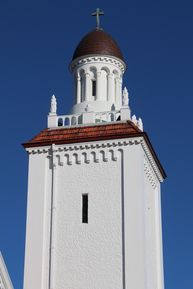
x: 37, y: 40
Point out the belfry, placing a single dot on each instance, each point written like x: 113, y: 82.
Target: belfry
x: 94, y: 205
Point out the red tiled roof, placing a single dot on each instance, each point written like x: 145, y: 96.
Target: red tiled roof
x: 83, y: 133
x: 91, y: 133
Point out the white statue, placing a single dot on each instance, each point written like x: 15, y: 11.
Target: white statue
x: 134, y: 119
x: 53, y: 106
x: 140, y: 124
x: 125, y: 97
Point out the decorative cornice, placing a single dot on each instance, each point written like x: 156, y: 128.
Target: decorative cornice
x: 97, y: 59
x: 38, y: 150
x: 78, y: 152
x: 84, y: 146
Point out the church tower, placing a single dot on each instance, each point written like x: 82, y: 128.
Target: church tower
x: 94, y: 208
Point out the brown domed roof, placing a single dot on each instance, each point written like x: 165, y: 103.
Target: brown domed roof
x: 97, y: 42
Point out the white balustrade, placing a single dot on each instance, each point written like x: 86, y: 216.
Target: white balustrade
x: 68, y: 120
x: 76, y: 119
x: 96, y: 117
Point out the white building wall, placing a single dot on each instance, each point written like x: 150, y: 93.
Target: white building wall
x: 159, y: 242
x: 120, y: 247
x: 36, y: 270
x: 133, y: 184
x: 88, y: 255
x: 153, y: 229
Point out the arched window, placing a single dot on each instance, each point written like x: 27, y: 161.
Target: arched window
x: 80, y: 119
x: 93, y: 72
x: 73, y: 121
x: 67, y: 121
x: 60, y: 122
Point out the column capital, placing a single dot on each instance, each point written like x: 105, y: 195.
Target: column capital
x: 110, y: 75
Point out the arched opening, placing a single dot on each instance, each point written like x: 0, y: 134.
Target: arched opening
x: 60, y: 122
x: 67, y: 121
x: 80, y: 119
x: 106, y: 69
x: 73, y: 120
x: 93, y: 73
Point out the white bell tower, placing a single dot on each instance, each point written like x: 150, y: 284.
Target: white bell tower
x: 94, y: 207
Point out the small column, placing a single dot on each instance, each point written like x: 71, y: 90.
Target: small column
x: 110, y: 88
x: 117, y: 90
x: 119, y: 100
x: 87, y: 87
x: 78, y: 89
x: 98, y: 85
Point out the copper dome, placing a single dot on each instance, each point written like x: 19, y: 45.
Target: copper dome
x: 97, y: 42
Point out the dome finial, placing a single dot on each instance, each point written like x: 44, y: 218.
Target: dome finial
x: 98, y: 13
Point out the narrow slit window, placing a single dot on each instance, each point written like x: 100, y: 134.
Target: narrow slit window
x: 85, y: 208
x: 94, y: 88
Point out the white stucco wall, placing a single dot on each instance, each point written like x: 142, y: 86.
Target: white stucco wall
x: 36, y: 270
x: 89, y: 255
x: 153, y: 228
x: 120, y: 247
